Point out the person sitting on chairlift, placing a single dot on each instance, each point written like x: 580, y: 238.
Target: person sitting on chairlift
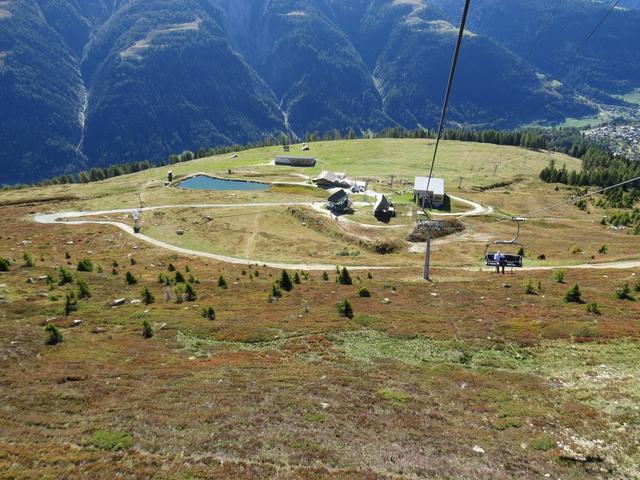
x: 501, y: 261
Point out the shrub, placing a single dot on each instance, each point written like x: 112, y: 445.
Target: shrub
x: 573, y: 295
x: 624, y: 293
x: 543, y: 442
x: 132, y: 261
x: 636, y: 288
x: 296, y: 279
x: 161, y: 278
x: 179, y: 278
x: 521, y: 252
x: 83, y: 288
x: 603, y: 250
x: 28, y: 260
x: 222, y: 283
x: 190, y: 293
x: 345, y: 278
x: 209, y: 313
x: 275, y: 291
x: 345, y: 309
x: 147, y: 297
x: 364, y: 292
x: 542, y: 257
x: 575, y: 249
x: 559, y: 275
x: 114, y: 264
x: 67, y: 255
x: 529, y: 288
x: 5, y: 264
x: 285, y: 281
x: 325, y: 276
x: 54, y: 337
x: 70, y: 303
x: 111, y: 440
x: 171, y: 268
x: 85, y: 265
x: 130, y: 279
x: 114, y: 272
x: 65, y: 277
x: 147, y: 329
x: 369, y: 276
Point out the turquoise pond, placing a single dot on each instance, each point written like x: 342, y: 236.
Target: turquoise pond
x: 202, y: 182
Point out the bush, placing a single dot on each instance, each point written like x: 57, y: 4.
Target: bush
x: 179, y: 278
x: 345, y: 309
x: 147, y: 296
x: 222, y: 283
x: 573, y: 295
x: 543, y: 442
x: 147, y: 329
x: 364, y: 292
x: 190, y: 293
x: 28, y: 260
x: 132, y: 261
x: 369, y: 276
x: 285, y: 281
x: 325, y: 276
x: 111, y: 440
x: 593, y: 309
x: 624, y: 293
x: 83, y: 288
x: 529, y: 288
x: 85, y: 265
x: 603, y: 250
x: 345, y: 278
x: 5, y: 264
x: 296, y: 279
x: 559, y: 275
x: 575, y: 249
x: 130, y: 279
x: 209, y: 313
x: 54, y: 337
x: 636, y: 288
x: 67, y: 255
x: 70, y: 303
x: 275, y: 292
x: 179, y: 291
x: 65, y: 277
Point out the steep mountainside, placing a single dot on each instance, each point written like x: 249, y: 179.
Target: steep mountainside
x: 93, y: 82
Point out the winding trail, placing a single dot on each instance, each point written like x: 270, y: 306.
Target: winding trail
x: 73, y: 218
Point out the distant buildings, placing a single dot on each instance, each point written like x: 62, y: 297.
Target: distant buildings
x: 332, y: 180
x: 434, y: 197
x: 383, y: 209
x: 295, y: 161
x: 339, y: 201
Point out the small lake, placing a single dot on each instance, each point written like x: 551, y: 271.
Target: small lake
x: 202, y: 182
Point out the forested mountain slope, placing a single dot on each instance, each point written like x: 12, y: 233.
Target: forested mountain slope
x: 93, y: 82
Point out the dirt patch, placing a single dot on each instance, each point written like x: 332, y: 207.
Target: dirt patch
x: 449, y: 227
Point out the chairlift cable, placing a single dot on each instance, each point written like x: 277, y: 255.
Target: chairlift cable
x: 445, y: 104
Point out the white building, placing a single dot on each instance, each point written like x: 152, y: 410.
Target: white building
x: 435, y: 195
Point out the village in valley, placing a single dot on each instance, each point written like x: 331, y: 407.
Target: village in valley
x: 619, y: 140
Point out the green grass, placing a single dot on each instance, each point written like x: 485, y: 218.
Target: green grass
x: 111, y: 440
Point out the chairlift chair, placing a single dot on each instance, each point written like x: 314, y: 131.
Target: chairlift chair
x: 512, y: 260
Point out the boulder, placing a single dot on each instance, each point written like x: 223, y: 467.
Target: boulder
x: 118, y: 302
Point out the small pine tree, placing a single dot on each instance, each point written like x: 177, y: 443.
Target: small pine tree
x: 573, y: 295
x: 190, y: 293
x: 369, y: 276
x: 132, y: 261
x: 70, y: 303
x: 28, y: 260
x: 147, y: 329
x: 296, y: 279
x: 275, y: 291
x: 179, y: 277
x: 130, y: 279
x: 179, y: 291
x: 147, y: 296
x: 636, y: 288
x: 529, y: 288
x: 67, y: 255
x: 161, y: 278
x: 171, y: 268
x: 83, y: 288
x: 5, y: 264
x: 559, y: 275
x: 209, y: 313
x: 187, y: 269
x: 325, y: 276
x: 624, y: 292
x: 222, y: 283
x: 114, y: 271
x: 345, y: 309
x: 85, y: 265
x: 345, y: 278
x: 285, y: 281
x: 593, y: 309
x: 114, y: 264
x: 603, y: 250
x: 65, y: 277
x: 364, y: 292
x: 55, y: 336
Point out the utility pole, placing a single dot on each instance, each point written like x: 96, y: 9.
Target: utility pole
x: 429, y: 225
